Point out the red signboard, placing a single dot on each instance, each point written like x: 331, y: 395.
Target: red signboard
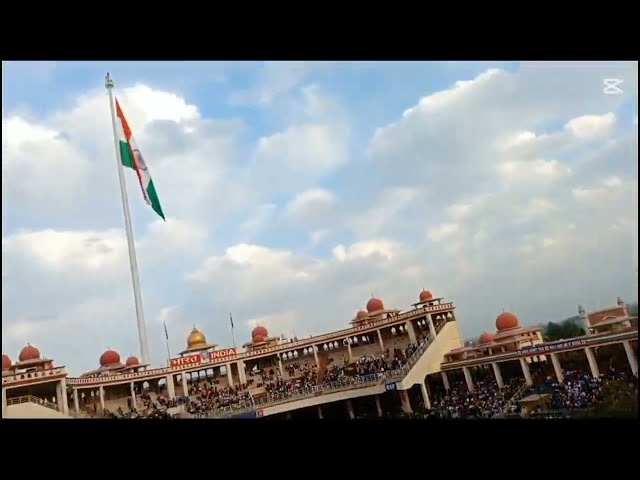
x: 222, y: 354
x: 186, y: 361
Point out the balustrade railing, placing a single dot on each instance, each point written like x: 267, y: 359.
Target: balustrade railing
x: 32, y: 399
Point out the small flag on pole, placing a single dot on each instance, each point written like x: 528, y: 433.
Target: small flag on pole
x: 231, y: 320
x: 166, y: 333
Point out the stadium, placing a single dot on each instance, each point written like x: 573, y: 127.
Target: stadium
x: 387, y: 363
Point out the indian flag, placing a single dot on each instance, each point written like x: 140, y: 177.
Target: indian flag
x: 132, y: 158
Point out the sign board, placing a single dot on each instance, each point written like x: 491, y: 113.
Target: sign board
x: 552, y: 347
x: 390, y: 387
x: 186, y: 361
x: 197, y: 358
x: 225, y: 353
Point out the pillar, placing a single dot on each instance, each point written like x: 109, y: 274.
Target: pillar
x: 593, y: 365
x: 134, y: 403
x: 557, y: 367
x: 432, y: 328
x: 498, y: 374
x: 101, y: 395
x: 320, y: 416
x: 76, y: 401
x: 411, y: 331
x: 4, y: 403
x: 380, y: 340
x: 229, y: 374
x: 315, y: 355
x: 350, y: 410
x: 64, y: 401
x: 445, y: 381
x: 404, y: 398
x: 281, y: 368
x: 633, y: 362
x: 185, y: 385
x: 468, y: 379
x: 425, y: 396
x: 378, y: 406
x: 350, y: 353
x: 171, y: 388
x: 242, y: 374
x: 525, y: 370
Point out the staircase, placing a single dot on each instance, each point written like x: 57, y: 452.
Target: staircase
x: 516, y: 396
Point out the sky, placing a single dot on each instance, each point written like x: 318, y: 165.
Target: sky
x: 294, y: 191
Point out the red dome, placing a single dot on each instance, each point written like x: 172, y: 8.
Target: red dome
x: 374, y: 305
x: 425, y: 296
x: 361, y: 315
x: 259, y: 338
x: 506, y: 321
x: 109, y: 357
x: 29, y: 353
x: 6, y: 362
x: 485, y: 338
x: 259, y: 330
x: 132, y: 361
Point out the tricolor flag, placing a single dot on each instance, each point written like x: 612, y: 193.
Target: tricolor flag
x: 132, y: 158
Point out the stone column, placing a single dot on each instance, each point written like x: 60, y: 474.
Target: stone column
x: 134, y: 402
x: 76, y: 401
x: 411, y: 331
x: 380, y: 340
x: 185, y: 385
x: 171, y: 388
x: 557, y: 367
x: 378, y: 406
x: 101, y: 394
x: 229, y: 374
x: 242, y: 374
x: 64, y: 401
x: 593, y: 364
x: 404, y: 398
x: 498, y: 374
x: 631, y: 358
x: 281, y: 368
x: 445, y: 380
x: 350, y: 410
x: 425, y: 396
x: 432, y: 327
x: 320, y: 416
x: 350, y: 353
x: 525, y: 370
x: 315, y: 356
x: 468, y: 379
x: 4, y: 403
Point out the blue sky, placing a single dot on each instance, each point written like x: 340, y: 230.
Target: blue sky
x: 295, y: 189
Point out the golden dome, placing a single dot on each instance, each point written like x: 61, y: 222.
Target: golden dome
x: 196, y: 338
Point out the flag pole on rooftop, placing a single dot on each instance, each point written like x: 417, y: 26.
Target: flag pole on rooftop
x: 133, y: 263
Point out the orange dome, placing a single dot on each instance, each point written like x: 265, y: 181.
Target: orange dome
x: 29, y: 353
x: 506, y: 321
x: 425, y: 296
x: 485, y: 338
x: 6, y: 362
x: 259, y: 338
x: 259, y: 331
x: 132, y: 361
x: 361, y: 315
x: 109, y: 357
x: 374, y: 305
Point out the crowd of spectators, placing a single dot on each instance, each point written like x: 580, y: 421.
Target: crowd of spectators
x: 580, y: 392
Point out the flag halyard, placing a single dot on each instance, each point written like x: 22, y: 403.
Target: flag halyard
x: 132, y: 158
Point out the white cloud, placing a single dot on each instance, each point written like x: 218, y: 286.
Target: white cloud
x: 588, y: 126
x: 312, y: 206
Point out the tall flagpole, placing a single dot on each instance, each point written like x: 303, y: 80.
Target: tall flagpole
x: 233, y: 335
x: 142, y: 329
